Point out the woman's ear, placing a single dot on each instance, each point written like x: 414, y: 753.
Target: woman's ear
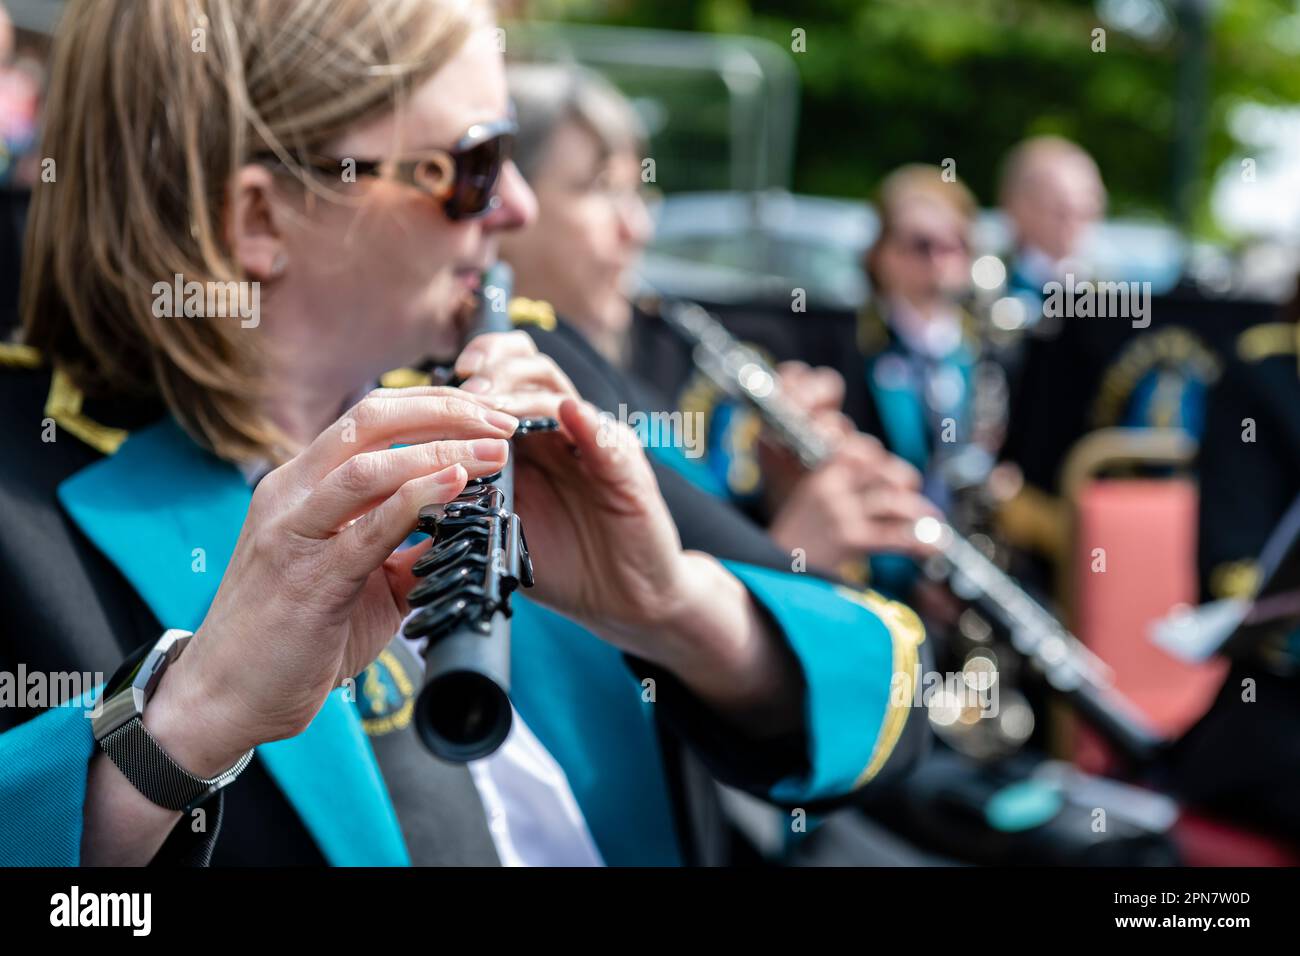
x: 253, y: 231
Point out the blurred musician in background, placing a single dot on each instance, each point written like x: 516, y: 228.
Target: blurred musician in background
x: 579, y: 146
x: 919, y: 348
x: 1101, y: 372
x: 21, y: 79
x: 1052, y: 193
x: 919, y: 387
x: 20, y: 93
x: 1248, y: 467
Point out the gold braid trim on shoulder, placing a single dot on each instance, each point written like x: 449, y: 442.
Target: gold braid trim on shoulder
x: 64, y: 406
x: 405, y: 378
x: 699, y: 396
x: 1235, y: 579
x: 532, y: 312
x: 856, y: 572
x: 1267, y: 340
x: 13, y: 355
x: 872, y: 333
x: 907, y: 634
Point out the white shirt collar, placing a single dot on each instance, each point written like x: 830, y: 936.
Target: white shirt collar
x: 1038, y: 268
x: 936, y: 337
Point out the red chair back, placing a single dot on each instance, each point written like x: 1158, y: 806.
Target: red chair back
x: 1134, y: 561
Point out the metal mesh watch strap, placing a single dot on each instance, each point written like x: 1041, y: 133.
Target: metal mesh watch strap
x: 155, y: 774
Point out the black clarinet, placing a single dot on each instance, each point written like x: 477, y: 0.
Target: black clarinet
x: 1066, y: 664
x: 478, y: 558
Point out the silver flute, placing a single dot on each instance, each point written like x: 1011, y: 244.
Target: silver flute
x: 1065, y: 663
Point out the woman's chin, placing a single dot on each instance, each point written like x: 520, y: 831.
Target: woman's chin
x: 615, y: 312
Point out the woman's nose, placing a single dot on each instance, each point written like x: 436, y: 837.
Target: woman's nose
x: 636, y: 226
x: 518, y: 206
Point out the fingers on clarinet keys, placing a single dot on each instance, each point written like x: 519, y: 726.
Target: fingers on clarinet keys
x: 462, y: 574
x: 467, y: 512
x: 438, y: 586
x: 540, y: 424
x: 478, y: 558
x: 457, y: 549
x: 454, y: 588
x: 438, y: 620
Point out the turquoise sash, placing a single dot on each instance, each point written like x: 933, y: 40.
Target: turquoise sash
x: 149, y: 508
x: 901, y: 413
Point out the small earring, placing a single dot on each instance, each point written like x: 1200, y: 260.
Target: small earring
x: 277, y: 265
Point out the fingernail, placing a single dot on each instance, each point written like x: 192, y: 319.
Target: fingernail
x: 470, y: 364
x: 478, y: 384
x: 451, y: 475
x: 501, y: 420
x: 489, y: 449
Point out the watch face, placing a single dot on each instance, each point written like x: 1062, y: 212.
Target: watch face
x: 118, y: 703
x: 125, y: 675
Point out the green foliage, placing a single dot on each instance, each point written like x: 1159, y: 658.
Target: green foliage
x: 893, y: 81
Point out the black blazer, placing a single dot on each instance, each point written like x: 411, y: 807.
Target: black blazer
x: 67, y: 608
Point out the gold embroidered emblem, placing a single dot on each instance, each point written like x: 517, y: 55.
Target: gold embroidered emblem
x: 387, y: 698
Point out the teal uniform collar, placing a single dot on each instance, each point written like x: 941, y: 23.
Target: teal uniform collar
x: 888, y: 367
x: 167, y: 515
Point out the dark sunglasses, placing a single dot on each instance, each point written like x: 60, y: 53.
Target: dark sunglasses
x: 463, y: 178
x: 929, y: 246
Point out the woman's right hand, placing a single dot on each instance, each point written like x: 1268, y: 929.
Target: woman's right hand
x: 862, y: 501
x: 819, y: 394
x: 314, y: 591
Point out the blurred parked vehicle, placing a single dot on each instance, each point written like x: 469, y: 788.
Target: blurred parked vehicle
x: 758, y: 247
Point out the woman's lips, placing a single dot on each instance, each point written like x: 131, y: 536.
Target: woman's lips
x: 470, y: 279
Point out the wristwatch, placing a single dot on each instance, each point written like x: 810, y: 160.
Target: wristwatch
x: 120, y: 732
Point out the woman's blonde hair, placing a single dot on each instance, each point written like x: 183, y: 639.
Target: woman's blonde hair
x: 153, y: 106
